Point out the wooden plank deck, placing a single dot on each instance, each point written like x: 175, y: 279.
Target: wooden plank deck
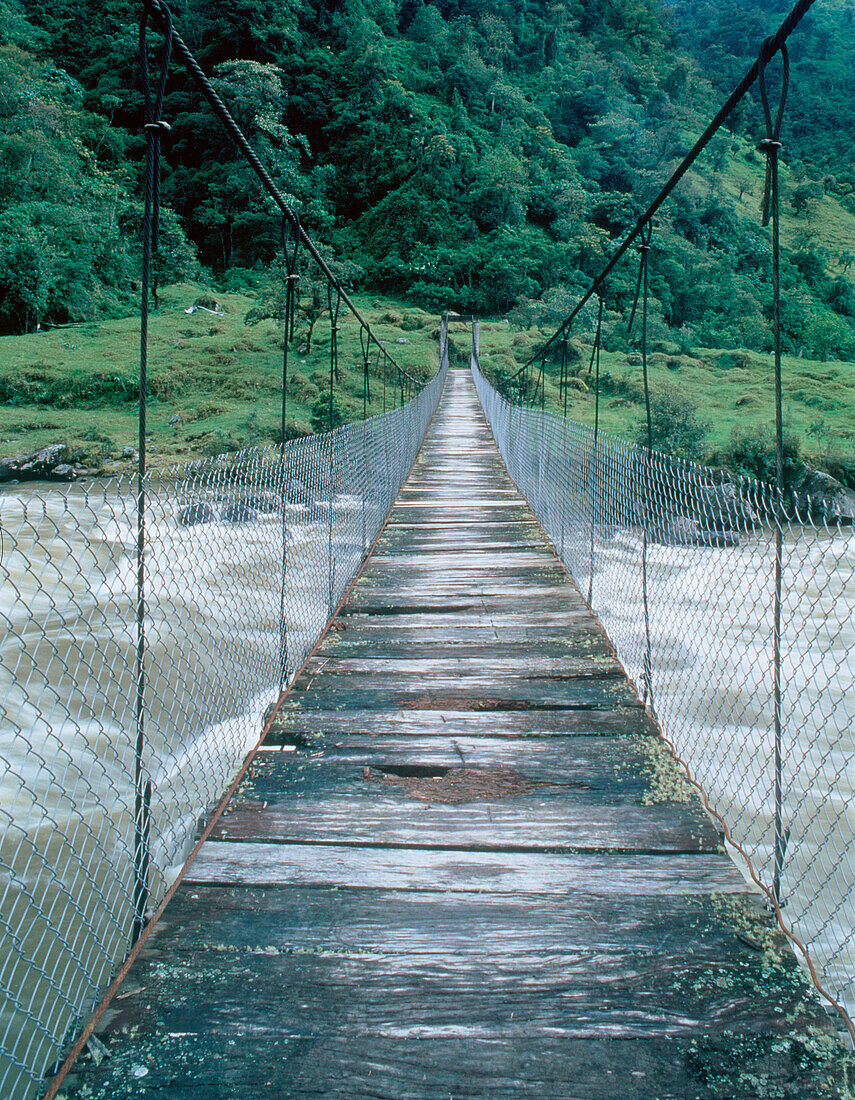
x: 464, y: 866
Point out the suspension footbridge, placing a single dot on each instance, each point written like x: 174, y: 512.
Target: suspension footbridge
x: 461, y: 864
x: 461, y: 750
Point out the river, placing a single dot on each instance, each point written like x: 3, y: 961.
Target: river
x: 711, y: 632
x: 67, y: 678
x: 68, y: 716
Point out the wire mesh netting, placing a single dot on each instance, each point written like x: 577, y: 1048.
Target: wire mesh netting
x: 702, y: 546
x: 247, y: 556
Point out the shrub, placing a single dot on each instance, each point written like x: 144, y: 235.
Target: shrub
x: 675, y: 427
x: 752, y: 452
x: 323, y: 416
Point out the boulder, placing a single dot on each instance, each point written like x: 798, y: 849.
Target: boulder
x: 722, y: 506
x: 64, y: 472
x: 263, y: 502
x: 192, y: 514
x: 297, y: 492
x: 684, y: 531
x: 677, y: 531
x: 238, y: 512
x: 820, y: 498
x: 175, y: 420
x: 39, y: 464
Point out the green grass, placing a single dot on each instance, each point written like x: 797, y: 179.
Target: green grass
x: 827, y: 226
x: 78, y: 385
x: 732, y: 391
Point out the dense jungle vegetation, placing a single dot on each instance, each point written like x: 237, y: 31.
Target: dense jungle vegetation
x: 450, y: 153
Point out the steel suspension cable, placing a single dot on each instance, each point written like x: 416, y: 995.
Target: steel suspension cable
x: 646, y: 482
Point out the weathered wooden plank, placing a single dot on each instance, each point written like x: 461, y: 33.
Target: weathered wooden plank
x: 537, y: 823
x: 491, y: 598
x: 333, y: 692
x: 457, y: 620
x: 209, y: 1065
x: 507, y: 528
x: 439, y: 515
x: 598, y: 795
x: 494, y: 596
x: 589, y: 760
x: 474, y: 559
x: 379, y: 631
x: 376, y: 646
x: 408, y: 543
x: 569, y: 994
x: 617, y: 722
x: 545, y: 583
x: 252, y: 864
x: 448, y: 666
x: 429, y: 923
x: 455, y: 503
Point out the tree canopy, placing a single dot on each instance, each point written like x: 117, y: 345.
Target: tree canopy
x: 476, y: 156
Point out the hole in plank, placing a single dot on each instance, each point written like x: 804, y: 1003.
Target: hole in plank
x: 413, y: 771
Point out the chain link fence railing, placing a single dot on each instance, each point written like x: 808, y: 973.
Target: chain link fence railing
x: 247, y: 556
x: 678, y: 563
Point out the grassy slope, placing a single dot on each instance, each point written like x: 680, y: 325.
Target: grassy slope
x: 818, y: 397
x: 828, y: 226
x: 77, y: 385
x: 223, y: 377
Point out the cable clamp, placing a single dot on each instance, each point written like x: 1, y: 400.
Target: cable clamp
x: 769, y: 145
x: 162, y: 125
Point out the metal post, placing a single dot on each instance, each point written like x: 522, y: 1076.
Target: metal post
x: 644, y: 249
x: 771, y: 146
x: 595, y: 458
x: 155, y: 127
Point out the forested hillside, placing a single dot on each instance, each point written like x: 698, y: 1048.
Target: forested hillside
x: 459, y: 153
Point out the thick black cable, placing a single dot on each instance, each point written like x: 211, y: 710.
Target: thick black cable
x: 334, y: 296
x: 289, y: 236
x: 646, y: 236
x: 564, y: 383
x: 154, y: 129
x: 770, y: 47
x: 771, y: 144
x: 366, y: 398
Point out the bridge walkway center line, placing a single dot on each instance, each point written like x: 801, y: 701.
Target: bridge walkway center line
x: 463, y: 866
